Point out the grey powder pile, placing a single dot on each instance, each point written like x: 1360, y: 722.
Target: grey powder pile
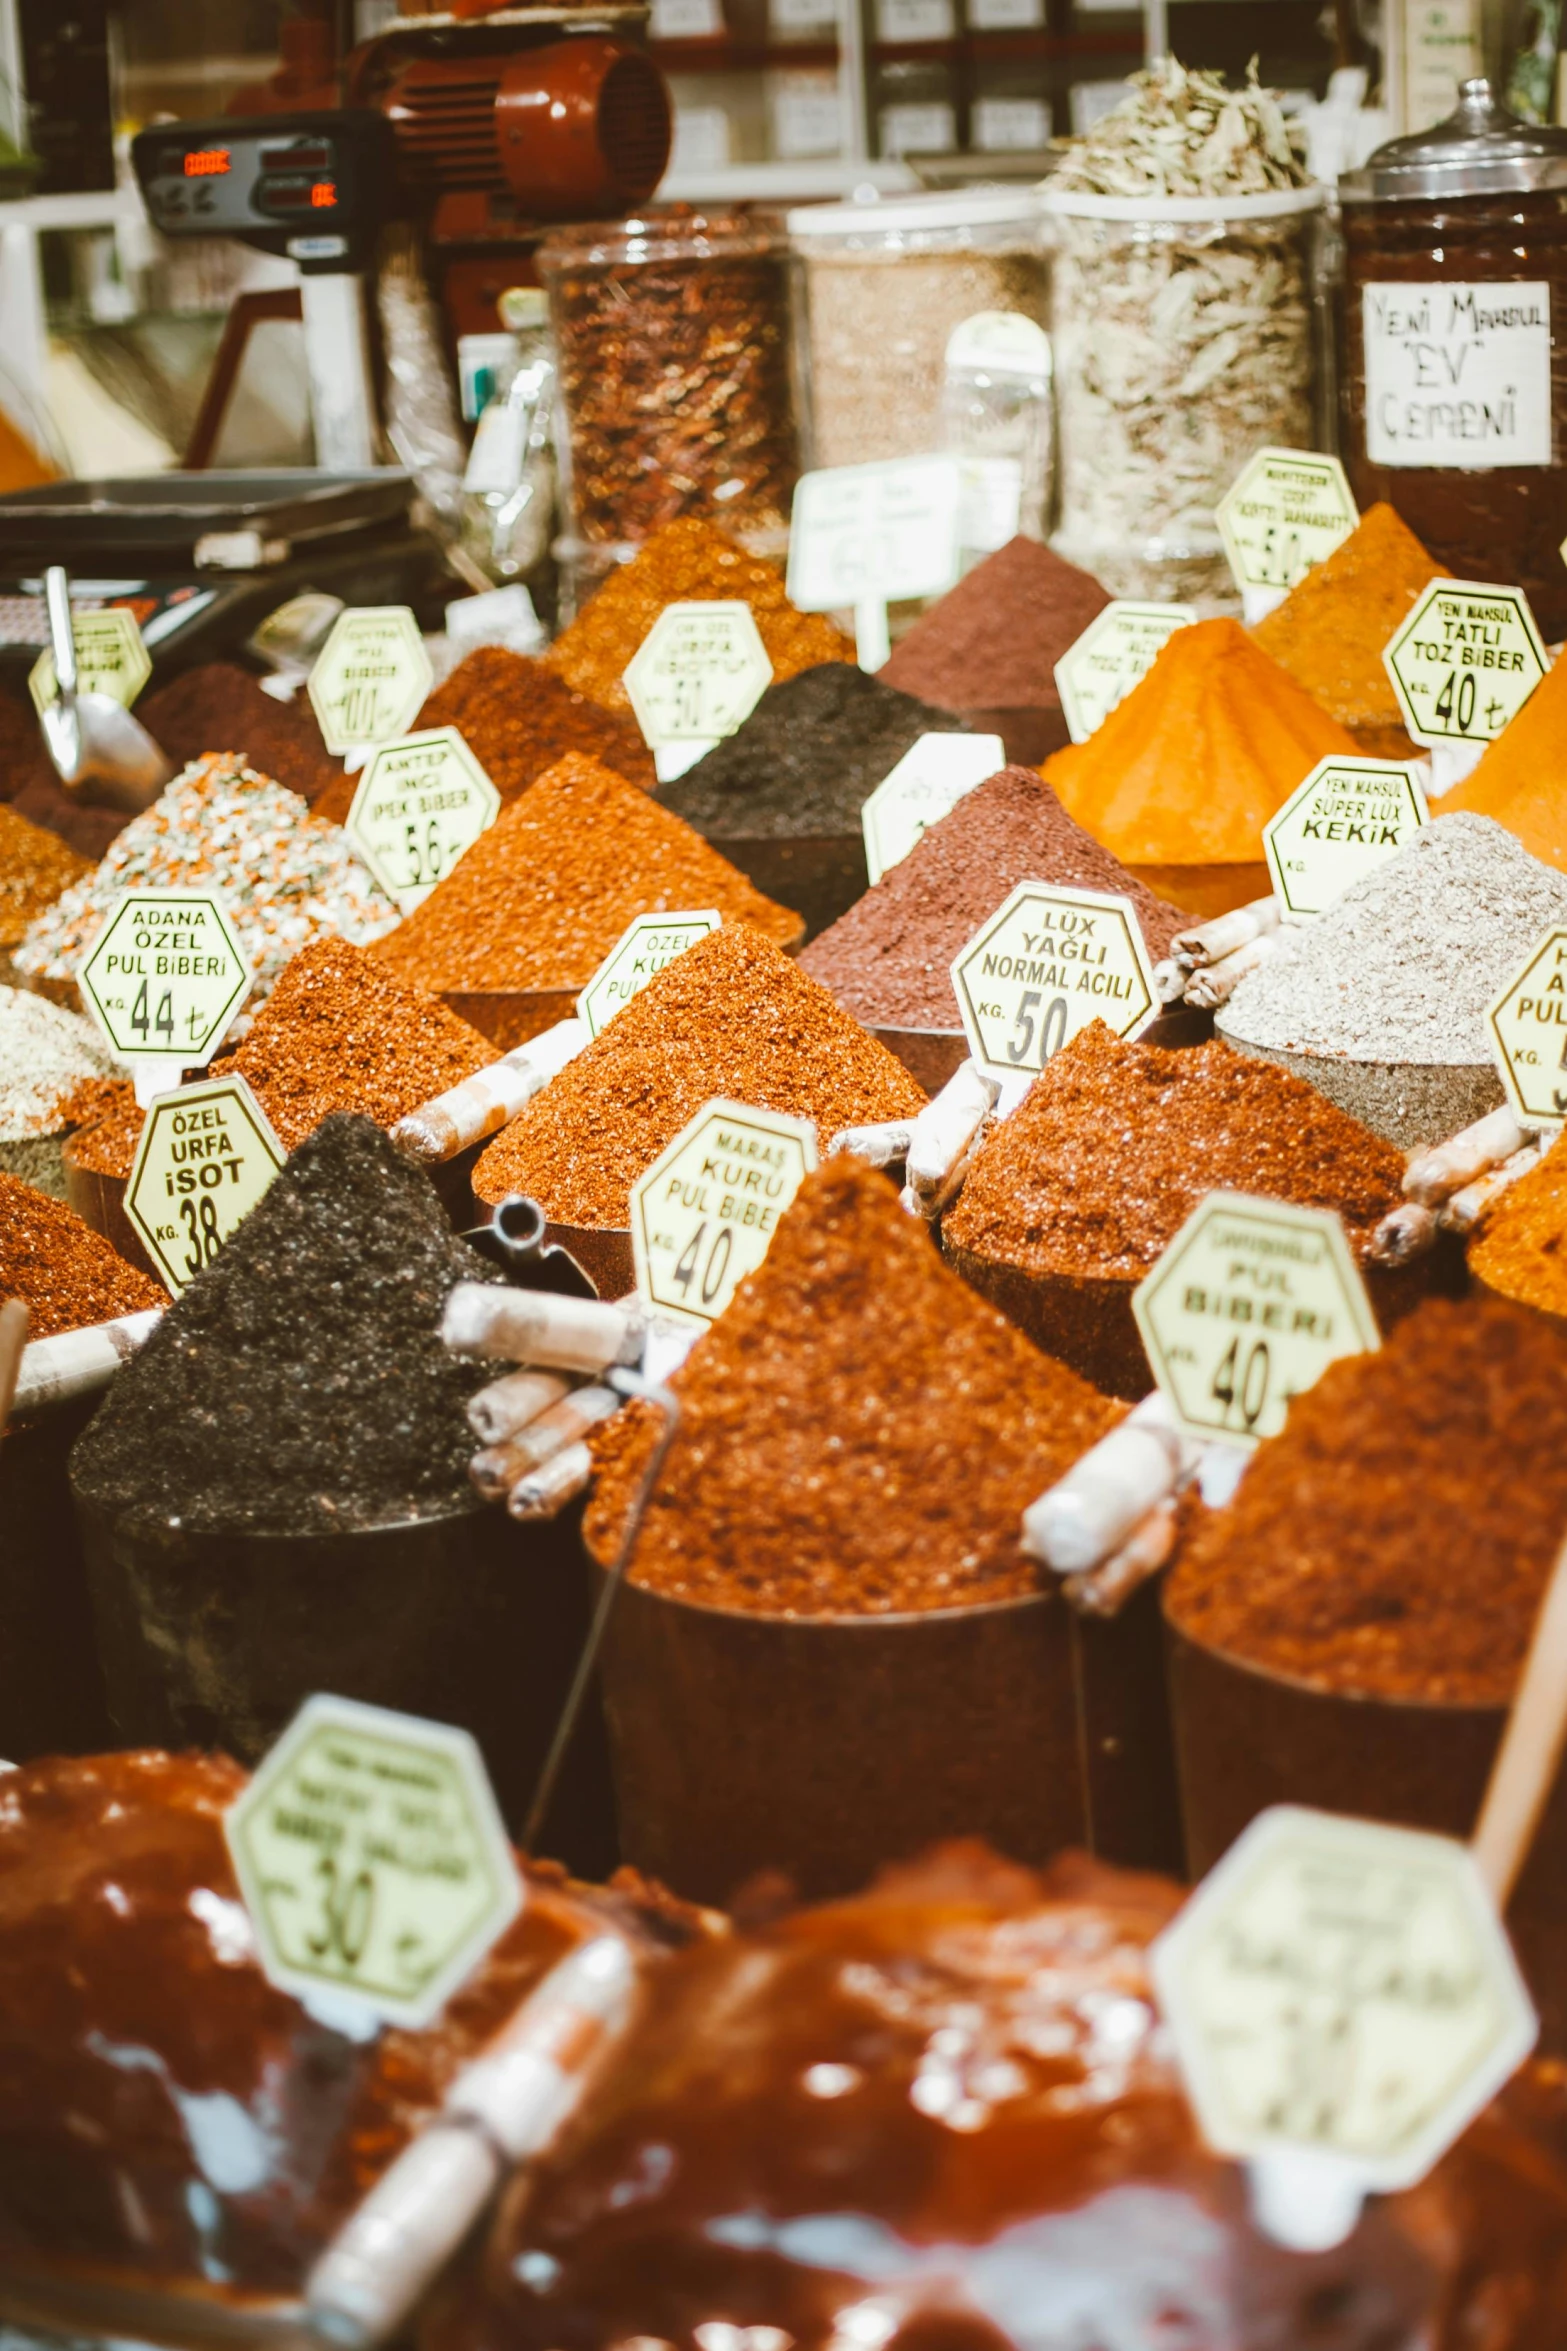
x: 45, y: 1053
x: 1403, y: 967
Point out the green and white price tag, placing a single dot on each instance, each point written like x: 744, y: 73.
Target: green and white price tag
x: 1044, y: 965
x: 1248, y: 1306
x: 930, y: 779
x: 206, y: 1155
x: 370, y: 678
x: 164, y: 978
x: 1348, y: 817
x: 644, y: 947
x: 110, y: 659
x: 1462, y: 665
x: 421, y: 802
x: 1287, y: 511
x: 1527, y: 1025
x: 867, y: 535
x: 696, y: 676
x: 1114, y: 653
x: 373, y: 1860
x: 705, y: 1213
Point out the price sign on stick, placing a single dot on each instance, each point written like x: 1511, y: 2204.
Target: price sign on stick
x: 421, y: 802
x: 372, y: 1858
x: 644, y: 947
x: 1349, y: 816
x: 205, y: 1156
x: 1248, y: 1306
x: 867, y: 535
x: 1285, y: 512
x: 110, y: 659
x: 1344, y: 2001
x: 1118, y: 648
x: 1527, y: 1026
x: 164, y: 978
x: 1464, y: 663
x: 928, y: 782
x: 1044, y: 965
x: 696, y: 676
x: 370, y: 677
x: 705, y: 1213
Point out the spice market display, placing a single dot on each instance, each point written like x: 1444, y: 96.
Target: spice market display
x: 743, y: 1609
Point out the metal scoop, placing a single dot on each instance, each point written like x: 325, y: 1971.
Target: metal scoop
x: 98, y: 748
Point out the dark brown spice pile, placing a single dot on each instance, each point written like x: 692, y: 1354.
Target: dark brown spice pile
x: 686, y: 561
x: 29, y: 784
x: 67, y: 1274
x: 518, y: 719
x: 35, y: 866
x: 732, y: 1016
x: 541, y: 898
x: 1395, y: 1539
x: 888, y: 959
x: 1115, y: 1144
x: 993, y: 641
x: 860, y: 1433
x: 217, y: 706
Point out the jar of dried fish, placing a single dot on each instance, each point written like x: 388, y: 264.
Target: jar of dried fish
x: 886, y: 283
x: 1186, y: 338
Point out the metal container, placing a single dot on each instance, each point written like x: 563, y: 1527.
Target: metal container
x: 930, y: 1056
x: 1246, y: 1738
x: 51, y: 1692
x: 818, y: 875
x: 1405, y: 1102
x: 602, y: 1251
x: 468, y: 1617
x: 825, y: 1746
x: 99, y: 1200
x: 509, y: 1017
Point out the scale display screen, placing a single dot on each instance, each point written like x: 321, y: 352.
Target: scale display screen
x: 269, y: 180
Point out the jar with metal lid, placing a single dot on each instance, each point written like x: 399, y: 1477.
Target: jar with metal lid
x: 886, y: 283
x: 1455, y: 343
x: 672, y: 337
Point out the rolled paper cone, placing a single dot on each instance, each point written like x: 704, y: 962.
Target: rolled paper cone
x: 1462, y: 1211
x: 1088, y: 1514
x: 1210, y: 942
x: 1105, y: 1589
x: 1216, y: 983
x: 499, y: 1467
x: 533, y: 1327
x: 878, y: 1146
x: 509, y: 2103
x: 545, y: 1492
x: 1441, y: 1169
x: 947, y: 1128
x: 13, y: 1339
x: 1169, y: 980
x: 78, y: 1363
x: 507, y: 1405
x: 491, y: 1098
x: 1404, y: 1234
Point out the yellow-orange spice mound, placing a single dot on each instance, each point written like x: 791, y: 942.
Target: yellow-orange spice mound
x: 686, y: 562
x: 35, y: 867
x: 540, y: 899
x: 860, y: 1433
x: 1521, y: 1248
x: 733, y: 1017
x: 1519, y: 780
x: 1330, y: 630
x: 66, y: 1274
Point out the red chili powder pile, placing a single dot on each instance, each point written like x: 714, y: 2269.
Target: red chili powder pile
x: 1115, y: 1144
x: 860, y: 1433
x: 218, y: 706
x: 66, y: 1274
x: 732, y: 1016
x: 686, y: 561
x: 1394, y: 1540
x: 540, y: 899
x: 888, y: 960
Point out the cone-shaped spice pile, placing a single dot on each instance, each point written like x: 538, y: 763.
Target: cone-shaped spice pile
x: 1329, y: 631
x: 993, y: 641
x: 65, y: 1274
x: 860, y: 1433
x: 1522, y: 778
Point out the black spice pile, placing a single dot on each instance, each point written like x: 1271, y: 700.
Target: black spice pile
x: 299, y: 1386
x: 808, y: 757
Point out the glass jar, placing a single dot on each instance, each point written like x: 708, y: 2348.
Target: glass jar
x: 1185, y: 339
x: 885, y: 284
x: 673, y: 345
x: 1455, y: 344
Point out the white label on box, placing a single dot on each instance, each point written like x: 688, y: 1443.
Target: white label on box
x: 1458, y: 375
x: 687, y: 20
x: 1006, y: 16
x: 1002, y: 123
x: 918, y: 130
x: 864, y: 531
x: 701, y: 139
x: 807, y: 115
x: 797, y: 18
x: 915, y: 20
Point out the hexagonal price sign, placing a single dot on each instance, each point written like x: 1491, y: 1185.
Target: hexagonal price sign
x: 644, y: 947
x: 1349, y: 816
x: 705, y: 1213
x: 1285, y: 512
x: 1527, y: 1026
x: 1116, y: 650
x: 206, y: 1155
x: 1248, y: 1306
x: 696, y: 676
x: 421, y: 802
x: 1465, y: 661
x: 110, y: 659
x: 1343, y: 1990
x: 1045, y: 964
x: 928, y: 782
x: 372, y: 1859
x: 370, y: 677
x: 166, y: 975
